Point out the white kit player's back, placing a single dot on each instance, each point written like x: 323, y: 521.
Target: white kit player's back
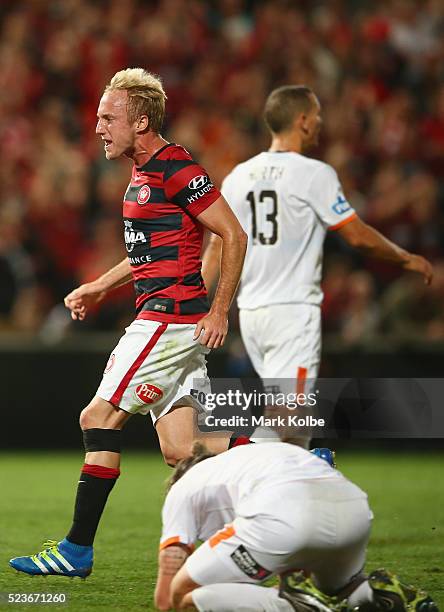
x: 285, y: 202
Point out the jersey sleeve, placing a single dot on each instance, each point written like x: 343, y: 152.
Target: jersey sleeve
x: 188, y: 185
x: 326, y: 197
x: 178, y: 519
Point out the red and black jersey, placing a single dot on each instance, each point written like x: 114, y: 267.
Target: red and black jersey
x: 163, y: 237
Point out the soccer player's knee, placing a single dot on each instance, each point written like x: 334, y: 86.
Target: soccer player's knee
x: 87, y: 418
x: 83, y: 419
x: 178, y: 591
x: 169, y: 456
x: 187, y: 603
x: 94, y: 415
x: 173, y: 453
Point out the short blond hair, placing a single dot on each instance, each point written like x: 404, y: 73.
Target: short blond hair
x: 146, y: 95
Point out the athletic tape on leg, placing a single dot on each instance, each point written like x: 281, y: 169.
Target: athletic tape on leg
x: 102, y: 440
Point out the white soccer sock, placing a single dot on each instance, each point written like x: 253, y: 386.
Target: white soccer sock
x: 362, y: 594
x: 240, y: 597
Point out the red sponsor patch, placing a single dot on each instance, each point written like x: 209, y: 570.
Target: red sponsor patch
x: 110, y: 364
x: 148, y: 394
x: 144, y: 195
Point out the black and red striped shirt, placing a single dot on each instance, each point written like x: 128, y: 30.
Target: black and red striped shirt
x: 163, y: 237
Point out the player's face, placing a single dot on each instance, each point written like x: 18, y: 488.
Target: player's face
x: 313, y: 125
x: 112, y: 126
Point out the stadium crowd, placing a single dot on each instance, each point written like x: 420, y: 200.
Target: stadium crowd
x: 377, y: 66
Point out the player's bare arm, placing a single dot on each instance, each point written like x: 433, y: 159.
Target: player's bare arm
x: 211, y: 262
x: 370, y: 242
x: 170, y: 561
x: 84, y: 297
x: 220, y: 219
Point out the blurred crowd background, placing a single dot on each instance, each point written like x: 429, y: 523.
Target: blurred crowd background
x: 377, y: 67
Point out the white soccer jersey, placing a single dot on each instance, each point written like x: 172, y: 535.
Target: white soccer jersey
x: 239, y: 482
x: 285, y: 202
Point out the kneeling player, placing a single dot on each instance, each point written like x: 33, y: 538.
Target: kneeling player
x: 265, y: 510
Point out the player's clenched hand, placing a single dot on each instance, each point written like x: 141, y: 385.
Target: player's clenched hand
x: 416, y: 263
x: 212, y: 330
x: 81, y: 299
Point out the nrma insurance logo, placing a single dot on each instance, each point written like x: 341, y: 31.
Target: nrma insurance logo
x: 341, y: 205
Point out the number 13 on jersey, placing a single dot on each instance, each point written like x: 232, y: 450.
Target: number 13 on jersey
x: 264, y: 223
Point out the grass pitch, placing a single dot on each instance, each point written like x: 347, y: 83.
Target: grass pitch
x: 405, y: 490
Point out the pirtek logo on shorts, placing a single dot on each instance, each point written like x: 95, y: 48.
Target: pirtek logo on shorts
x: 148, y: 394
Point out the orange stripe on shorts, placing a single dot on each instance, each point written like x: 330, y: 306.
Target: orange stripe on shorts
x: 301, y: 378
x: 223, y: 534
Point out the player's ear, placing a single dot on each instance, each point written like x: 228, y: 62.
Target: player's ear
x: 142, y: 123
x: 301, y: 123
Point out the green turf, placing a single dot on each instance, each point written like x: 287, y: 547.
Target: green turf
x: 406, y: 494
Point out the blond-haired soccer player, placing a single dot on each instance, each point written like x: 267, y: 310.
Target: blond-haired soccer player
x: 264, y: 510
x: 286, y: 203
x: 169, y: 201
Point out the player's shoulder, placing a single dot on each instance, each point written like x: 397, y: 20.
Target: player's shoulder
x: 181, y: 489
x: 311, y: 166
x: 250, y: 162
x: 175, y: 159
x: 198, y: 473
x: 243, y: 167
x: 172, y: 151
x: 308, y: 165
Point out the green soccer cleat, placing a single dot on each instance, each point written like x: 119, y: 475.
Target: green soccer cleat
x: 304, y: 596
x: 391, y: 594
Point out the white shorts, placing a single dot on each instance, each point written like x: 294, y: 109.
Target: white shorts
x: 283, y: 342
x: 155, y: 366
x: 242, y: 598
x: 323, y: 528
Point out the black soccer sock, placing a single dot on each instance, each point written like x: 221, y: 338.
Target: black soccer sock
x: 95, y: 484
